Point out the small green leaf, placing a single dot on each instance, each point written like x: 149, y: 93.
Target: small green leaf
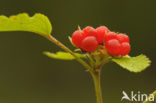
x: 63, y: 55
x: 133, y: 64
x: 38, y: 23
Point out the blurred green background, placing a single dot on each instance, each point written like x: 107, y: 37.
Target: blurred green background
x: 28, y: 76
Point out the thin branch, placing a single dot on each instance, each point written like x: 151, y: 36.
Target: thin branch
x: 58, y: 43
x: 91, y: 60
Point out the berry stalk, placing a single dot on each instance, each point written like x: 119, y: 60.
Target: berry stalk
x: 58, y: 43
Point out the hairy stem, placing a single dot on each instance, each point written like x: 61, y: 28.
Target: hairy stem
x: 148, y: 100
x: 58, y: 43
x: 96, y: 79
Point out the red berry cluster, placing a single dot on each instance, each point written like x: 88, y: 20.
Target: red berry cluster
x: 89, y: 38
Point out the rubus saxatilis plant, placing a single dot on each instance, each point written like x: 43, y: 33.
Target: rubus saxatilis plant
x: 94, y: 47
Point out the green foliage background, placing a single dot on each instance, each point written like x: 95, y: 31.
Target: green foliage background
x: 28, y: 76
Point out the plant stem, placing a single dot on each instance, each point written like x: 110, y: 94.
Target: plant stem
x: 95, y: 73
x: 91, y: 60
x: 96, y: 79
x: 148, y: 100
x: 58, y: 43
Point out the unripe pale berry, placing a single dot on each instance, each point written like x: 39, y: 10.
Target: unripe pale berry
x: 89, y: 44
x: 90, y: 31
x: 110, y: 36
x: 125, y: 49
x: 113, y: 47
x: 122, y: 38
x: 101, y: 32
x: 77, y: 38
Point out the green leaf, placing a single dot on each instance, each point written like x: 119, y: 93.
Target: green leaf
x: 63, y: 55
x: 38, y: 23
x: 133, y: 64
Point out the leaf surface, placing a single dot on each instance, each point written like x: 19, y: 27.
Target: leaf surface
x: 38, y: 23
x: 133, y: 64
x: 63, y: 55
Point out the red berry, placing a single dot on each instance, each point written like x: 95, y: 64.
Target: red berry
x: 77, y: 38
x: 101, y: 32
x: 125, y: 48
x: 113, y: 47
x: 90, y: 31
x: 89, y: 44
x: 109, y: 36
x: 122, y: 38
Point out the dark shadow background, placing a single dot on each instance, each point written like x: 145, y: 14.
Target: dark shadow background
x: 28, y: 76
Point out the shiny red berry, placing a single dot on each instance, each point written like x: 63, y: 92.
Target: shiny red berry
x: 122, y: 38
x: 89, y: 44
x: 113, y: 47
x: 109, y: 36
x: 90, y: 31
x: 101, y: 32
x: 125, y: 49
x: 77, y: 38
